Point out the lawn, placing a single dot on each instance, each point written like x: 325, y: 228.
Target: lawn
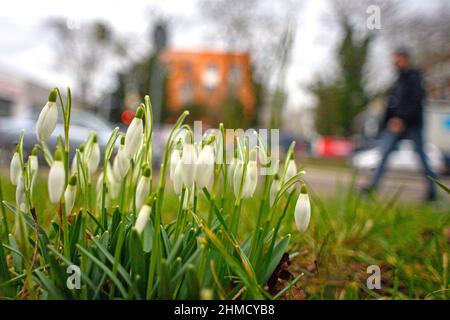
x: 347, y: 233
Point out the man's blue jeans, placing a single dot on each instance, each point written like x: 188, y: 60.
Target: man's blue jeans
x: 388, y: 143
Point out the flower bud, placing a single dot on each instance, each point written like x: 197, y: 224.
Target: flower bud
x: 302, y: 210
x: 56, y: 178
x: 94, y: 158
x: 290, y: 172
x: 175, y: 157
x: 143, y: 218
x: 20, y: 194
x: 15, y: 169
x: 135, y: 134
x: 48, y: 118
x: 178, y: 179
x: 205, y: 167
x: 70, y: 193
x: 274, y: 188
x: 251, y: 180
x: 34, y: 163
x: 143, y: 187
x: 237, y: 176
x: 123, y: 163
x: 230, y: 173
x: 188, y: 160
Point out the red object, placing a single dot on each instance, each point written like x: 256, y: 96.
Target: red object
x: 333, y: 147
x: 127, y: 116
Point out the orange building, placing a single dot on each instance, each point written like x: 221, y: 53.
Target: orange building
x: 208, y: 78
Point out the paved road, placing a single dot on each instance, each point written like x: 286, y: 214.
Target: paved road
x: 327, y: 181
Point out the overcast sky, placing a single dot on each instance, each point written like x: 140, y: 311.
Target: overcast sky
x: 26, y: 44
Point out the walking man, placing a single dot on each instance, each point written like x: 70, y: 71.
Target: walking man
x: 404, y: 119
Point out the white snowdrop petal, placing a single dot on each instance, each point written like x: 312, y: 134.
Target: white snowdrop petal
x: 142, y: 219
x: 14, y: 169
x: 47, y: 120
x: 302, y: 212
x: 134, y: 137
x: 56, y: 180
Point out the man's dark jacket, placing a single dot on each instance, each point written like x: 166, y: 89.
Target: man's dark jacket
x: 405, y: 99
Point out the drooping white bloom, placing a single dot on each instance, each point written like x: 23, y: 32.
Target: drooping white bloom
x: 94, y: 157
x: 135, y: 134
x: 231, y: 168
x: 34, y: 164
x: 20, y: 194
x: 56, y: 179
x: 290, y: 172
x: 237, y: 176
x: 123, y: 163
x: 251, y: 180
x: 302, y: 210
x: 175, y: 157
x: 188, y: 160
x: 15, y: 169
x: 143, y: 218
x: 112, y: 183
x: 70, y: 193
x: 143, y: 188
x: 178, y: 179
x: 204, y: 170
x: 274, y: 188
x: 48, y: 118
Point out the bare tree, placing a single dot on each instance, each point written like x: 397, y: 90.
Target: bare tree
x: 84, y: 50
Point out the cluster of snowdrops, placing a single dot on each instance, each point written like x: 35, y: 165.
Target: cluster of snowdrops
x: 110, y: 219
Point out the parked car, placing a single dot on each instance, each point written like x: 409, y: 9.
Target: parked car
x: 404, y: 158
x: 82, y: 124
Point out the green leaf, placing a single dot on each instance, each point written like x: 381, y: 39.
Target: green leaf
x: 16, y: 258
x: 164, y: 287
x: 103, y: 267
x: 192, y: 282
x: 278, y: 252
x: 136, y: 255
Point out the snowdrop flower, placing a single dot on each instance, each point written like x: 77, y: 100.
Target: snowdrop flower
x: 70, y: 193
x: 48, y: 118
x: 188, y: 160
x: 290, y: 172
x: 143, y: 187
x: 205, y: 167
x: 237, y: 176
x: 274, y: 188
x: 231, y: 168
x: 135, y: 134
x: 251, y: 180
x: 112, y: 183
x: 74, y: 166
x: 34, y: 163
x: 143, y: 218
x: 56, y: 178
x: 123, y: 163
x: 178, y: 179
x: 15, y: 169
x: 20, y: 194
x: 175, y: 157
x: 94, y: 157
x: 302, y: 210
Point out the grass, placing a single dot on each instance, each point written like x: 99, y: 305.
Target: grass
x: 410, y: 243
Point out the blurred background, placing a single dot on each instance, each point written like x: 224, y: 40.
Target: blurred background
x: 318, y: 70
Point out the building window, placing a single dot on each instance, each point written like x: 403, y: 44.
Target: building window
x: 211, y: 77
x: 234, y: 77
x: 186, y: 93
x: 5, y: 107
